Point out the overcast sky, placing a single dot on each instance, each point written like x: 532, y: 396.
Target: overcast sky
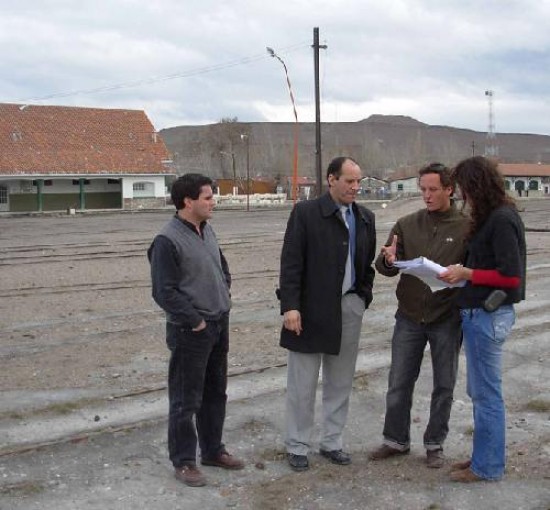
x: 188, y: 62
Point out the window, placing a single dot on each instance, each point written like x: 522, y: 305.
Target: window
x: 400, y: 186
x: 144, y: 189
x: 3, y: 195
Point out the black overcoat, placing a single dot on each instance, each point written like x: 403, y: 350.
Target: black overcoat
x: 313, y: 261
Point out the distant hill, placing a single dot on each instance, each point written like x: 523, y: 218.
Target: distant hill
x: 381, y: 144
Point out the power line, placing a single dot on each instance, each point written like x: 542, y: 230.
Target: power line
x: 175, y: 76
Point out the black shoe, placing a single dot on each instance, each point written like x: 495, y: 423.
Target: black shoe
x: 298, y: 462
x: 337, y: 456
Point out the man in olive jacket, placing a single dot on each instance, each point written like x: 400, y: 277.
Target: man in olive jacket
x: 423, y: 316
x: 325, y: 286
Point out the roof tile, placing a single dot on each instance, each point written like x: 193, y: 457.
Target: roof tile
x: 71, y: 140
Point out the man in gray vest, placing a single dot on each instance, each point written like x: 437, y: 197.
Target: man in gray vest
x: 191, y: 284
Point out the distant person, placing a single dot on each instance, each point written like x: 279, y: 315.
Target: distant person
x: 423, y: 317
x: 325, y: 286
x: 494, y: 271
x: 191, y: 284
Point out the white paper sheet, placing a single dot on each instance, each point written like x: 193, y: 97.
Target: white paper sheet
x: 427, y: 270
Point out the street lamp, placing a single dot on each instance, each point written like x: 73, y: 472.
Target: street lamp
x: 271, y: 51
x: 246, y: 138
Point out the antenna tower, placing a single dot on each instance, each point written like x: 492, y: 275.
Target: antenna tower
x: 491, y: 145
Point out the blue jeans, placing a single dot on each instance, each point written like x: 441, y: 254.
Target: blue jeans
x: 484, y: 335
x: 197, y: 383
x: 408, y: 344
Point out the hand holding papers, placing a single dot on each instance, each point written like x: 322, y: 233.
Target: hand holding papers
x: 428, y: 271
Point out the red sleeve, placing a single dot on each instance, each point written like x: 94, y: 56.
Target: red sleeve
x: 492, y: 278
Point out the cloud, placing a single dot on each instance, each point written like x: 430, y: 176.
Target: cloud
x: 188, y: 62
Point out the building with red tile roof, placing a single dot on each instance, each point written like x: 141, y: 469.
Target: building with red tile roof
x: 527, y: 178
x: 521, y: 179
x: 59, y: 157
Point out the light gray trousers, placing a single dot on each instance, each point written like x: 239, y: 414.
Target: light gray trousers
x: 338, y: 371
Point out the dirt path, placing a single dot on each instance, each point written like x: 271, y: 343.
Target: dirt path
x: 77, y: 324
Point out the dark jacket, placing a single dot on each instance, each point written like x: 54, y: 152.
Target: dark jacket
x: 438, y: 236
x: 499, y: 244
x: 313, y: 261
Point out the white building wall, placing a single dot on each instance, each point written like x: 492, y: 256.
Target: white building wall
x: 155, y: 185
x: 64, y: 186
x: 408, y: 185
x: 158, y: 188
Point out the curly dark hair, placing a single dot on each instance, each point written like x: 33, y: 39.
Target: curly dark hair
x: 482, y: 187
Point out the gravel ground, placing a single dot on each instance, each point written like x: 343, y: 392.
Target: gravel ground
x: 78, y: 329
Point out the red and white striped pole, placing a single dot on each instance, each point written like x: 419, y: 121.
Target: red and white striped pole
x: 295, y: 167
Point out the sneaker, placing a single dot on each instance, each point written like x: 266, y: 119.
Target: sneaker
x: 224, y: 460
x: 336, y: 456
x: 385, y: 451
x: 297, y: 462
x: 190, y: 475
x: 435, y: 458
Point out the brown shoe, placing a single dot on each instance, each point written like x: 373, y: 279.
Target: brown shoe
x: 385, y: 451
x: 465, y: 476
x: 190, y: 475
x: 435, y: 458
x: 459, y: 466
x: 224, y: 460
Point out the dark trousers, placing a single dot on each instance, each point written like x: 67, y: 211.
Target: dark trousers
x: 197, y: 383
x: 408, y: 344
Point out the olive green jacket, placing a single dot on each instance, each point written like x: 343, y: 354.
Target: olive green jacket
x: 438, y: 236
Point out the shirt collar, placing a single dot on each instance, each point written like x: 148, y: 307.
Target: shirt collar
x: 190, y: 225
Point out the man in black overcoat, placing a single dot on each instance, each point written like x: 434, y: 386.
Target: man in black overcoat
x: 325, y: 286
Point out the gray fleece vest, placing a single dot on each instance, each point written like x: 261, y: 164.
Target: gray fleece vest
x: 202, y: 278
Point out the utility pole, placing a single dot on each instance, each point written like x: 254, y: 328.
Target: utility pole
x: 318, y: 155
x: 246, y: 138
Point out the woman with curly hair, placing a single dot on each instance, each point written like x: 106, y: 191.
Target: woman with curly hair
x: 494, y: 271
